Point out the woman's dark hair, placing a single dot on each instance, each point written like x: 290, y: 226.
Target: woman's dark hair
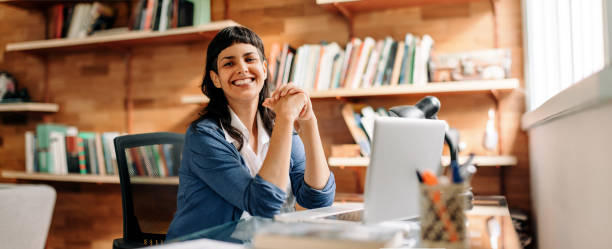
x: 218, y: 107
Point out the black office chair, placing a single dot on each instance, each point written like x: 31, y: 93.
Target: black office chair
x: 148, y: 171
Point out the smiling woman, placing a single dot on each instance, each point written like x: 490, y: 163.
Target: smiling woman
x: 241, y: 156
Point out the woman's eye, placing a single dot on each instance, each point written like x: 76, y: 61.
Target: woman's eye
x: 227, y: 64
x: 250, y: 59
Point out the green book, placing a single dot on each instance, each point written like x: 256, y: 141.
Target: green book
x: 45, y: 158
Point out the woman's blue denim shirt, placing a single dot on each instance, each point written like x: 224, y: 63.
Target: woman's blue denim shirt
x: 215, y: 185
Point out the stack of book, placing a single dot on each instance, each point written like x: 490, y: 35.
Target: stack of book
x: 60, y: 149
x: 81, y: 20
x: 165, y: 14
x: 361, y: 64
x: 360, y: 122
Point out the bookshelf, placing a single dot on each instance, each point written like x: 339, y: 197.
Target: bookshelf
x: 29, y: 107
x: 482, y: 161
x: 459, y: 87
x: 172, y: 180
x: 41, y: 4
x: 122, y: 43
x: 123, y: 40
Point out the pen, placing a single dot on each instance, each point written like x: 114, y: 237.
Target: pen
x: 455, y: 172
x: 419, y: 176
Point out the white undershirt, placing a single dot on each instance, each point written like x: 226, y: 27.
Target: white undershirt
x: 255, y: 160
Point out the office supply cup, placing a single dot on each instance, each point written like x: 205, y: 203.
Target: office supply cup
x: 443, y: 222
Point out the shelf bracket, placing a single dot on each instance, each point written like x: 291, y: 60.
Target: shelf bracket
x: 129, y: 103
x: 349, y: 17
x: 495, y: 24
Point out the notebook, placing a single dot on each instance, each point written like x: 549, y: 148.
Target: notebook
x: 400, y: 146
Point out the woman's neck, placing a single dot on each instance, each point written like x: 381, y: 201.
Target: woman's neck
x: 246, y: 113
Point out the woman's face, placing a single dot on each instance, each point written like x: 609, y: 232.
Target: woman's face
x: 241, y: 73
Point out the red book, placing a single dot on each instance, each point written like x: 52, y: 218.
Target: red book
x: 136, y: 158
x: 59, y: 20
x: 149, y: 15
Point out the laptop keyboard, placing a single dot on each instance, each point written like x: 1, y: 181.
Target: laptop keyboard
x: 348, y: 216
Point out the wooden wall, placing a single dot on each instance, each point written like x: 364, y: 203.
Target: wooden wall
x: 90, y: 89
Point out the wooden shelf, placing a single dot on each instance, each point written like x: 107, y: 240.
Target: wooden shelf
x: 41, y: 4
x: 173, y: 180
x: 357, y: 6
x: 430, y: 88
x: 123, y: 40
x: 478, y: 161
x: 29, y: 107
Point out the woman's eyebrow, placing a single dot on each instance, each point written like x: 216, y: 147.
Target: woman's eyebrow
x: 232, y: 57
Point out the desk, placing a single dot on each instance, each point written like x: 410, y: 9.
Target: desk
x: 487, y: 210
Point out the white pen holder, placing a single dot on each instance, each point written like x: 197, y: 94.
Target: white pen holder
x: 443, y: 222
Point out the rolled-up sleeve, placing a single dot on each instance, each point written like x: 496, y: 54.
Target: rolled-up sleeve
x: 219, y: 165
x: 305, y: 195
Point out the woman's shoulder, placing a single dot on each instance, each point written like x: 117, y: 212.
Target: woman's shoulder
x: 204, y: 126
x: 205, y: 129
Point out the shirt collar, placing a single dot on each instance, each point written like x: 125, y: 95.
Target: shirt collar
x: 262, y: 135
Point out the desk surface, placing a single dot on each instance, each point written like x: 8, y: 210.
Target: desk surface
x: 487, y: 212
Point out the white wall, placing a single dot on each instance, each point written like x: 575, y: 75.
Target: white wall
x: 570, y: 144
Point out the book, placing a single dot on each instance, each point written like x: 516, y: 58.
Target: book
x: 322, y: 236
x: 348, y: 114
x: 382, y: 62
x: 397, y: 65
x: 100, y: 155
x: 367, y: 121
x: 386, y: 80
x: 110, y: 158
x: 43, y: 141
x: 29, y: 151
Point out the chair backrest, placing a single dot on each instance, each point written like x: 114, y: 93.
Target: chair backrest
x: 148, y: 171
x: 25, y: 215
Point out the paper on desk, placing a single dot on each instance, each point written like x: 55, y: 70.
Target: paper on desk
x: 200, y: 244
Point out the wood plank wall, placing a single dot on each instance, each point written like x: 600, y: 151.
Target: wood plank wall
x: 90, y: 89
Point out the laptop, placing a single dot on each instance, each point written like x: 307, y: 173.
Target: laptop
x: 400, y: 146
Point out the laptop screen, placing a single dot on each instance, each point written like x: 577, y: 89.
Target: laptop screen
x: 400, y: 147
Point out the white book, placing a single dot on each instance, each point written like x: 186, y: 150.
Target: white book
x: 368, y: 115
x: 84, y: 21
x: 352, y: 63
x: 296, y: 65
x: 288, y: 63
x: 421, y: 57
x: 300, y: 66
x: 337, y: 70
x: 164, y: 15
x: 313, y: 59
x: 74, y: 25
x: 29, y: 151
x: 57, y: 148
x: 368, y: 76
x: 108, y: 138
x: 347, y: 58
x: 326, y: 65
x: 364, y: 56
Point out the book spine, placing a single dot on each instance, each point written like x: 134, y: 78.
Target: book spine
x: 81, y: 151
